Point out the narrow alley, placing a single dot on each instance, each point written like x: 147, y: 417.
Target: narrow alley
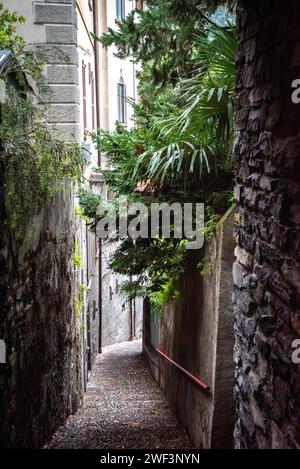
x: 123, y: 407
x: 149, y: 227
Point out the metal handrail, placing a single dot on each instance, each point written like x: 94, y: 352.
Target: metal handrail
x: 186, y: 372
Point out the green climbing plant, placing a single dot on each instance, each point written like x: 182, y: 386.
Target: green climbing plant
x: 35, y: 163
x: 77, y: 256
x: 9, y: 39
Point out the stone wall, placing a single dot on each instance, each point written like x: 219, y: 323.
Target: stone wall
x: 116, y: 313
x: 41, y: 382
x: 60, y: 32
x: 196, y: 331
x: 267, y: 270
x: 121, y: 319
x: 52, y: 26
x: 49, y: 308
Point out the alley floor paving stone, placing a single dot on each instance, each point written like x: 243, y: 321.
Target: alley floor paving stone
x: 123, y: 408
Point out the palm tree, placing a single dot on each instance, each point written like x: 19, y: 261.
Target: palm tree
x: 199, y: 139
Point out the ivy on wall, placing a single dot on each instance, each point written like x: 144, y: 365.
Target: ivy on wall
x: 36, y: 164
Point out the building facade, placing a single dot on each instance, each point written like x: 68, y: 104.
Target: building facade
x: 121, y: 320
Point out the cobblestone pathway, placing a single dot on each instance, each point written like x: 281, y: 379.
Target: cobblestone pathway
x: 123, y: 407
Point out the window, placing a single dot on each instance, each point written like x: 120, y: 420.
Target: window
x: 120, y: 9
x: 84, y: 95
x: 121, y: 101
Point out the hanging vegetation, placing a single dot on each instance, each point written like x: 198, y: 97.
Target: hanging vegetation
x: 35, y: 163
x: 180, y: 149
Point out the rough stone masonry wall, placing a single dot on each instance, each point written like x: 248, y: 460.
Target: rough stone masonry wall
x: 267, y: 271
x: 40, y: 385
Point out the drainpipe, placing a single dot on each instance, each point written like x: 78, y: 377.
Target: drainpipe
x: 97, y: 84
x: 100, y: 297
x: 103, y: 69
x: 97, y: 78
x: 131, y: 316
x: 133, y: 73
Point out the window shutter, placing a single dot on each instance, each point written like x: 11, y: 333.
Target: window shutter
x: 121, y: 96
x: 120, y: 9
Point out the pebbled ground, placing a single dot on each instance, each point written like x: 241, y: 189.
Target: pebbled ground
x: 123, y: 408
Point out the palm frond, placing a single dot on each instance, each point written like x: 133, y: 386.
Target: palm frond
x: 203, y: 129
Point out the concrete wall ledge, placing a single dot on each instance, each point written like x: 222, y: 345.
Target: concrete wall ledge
x: 196, y: 331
